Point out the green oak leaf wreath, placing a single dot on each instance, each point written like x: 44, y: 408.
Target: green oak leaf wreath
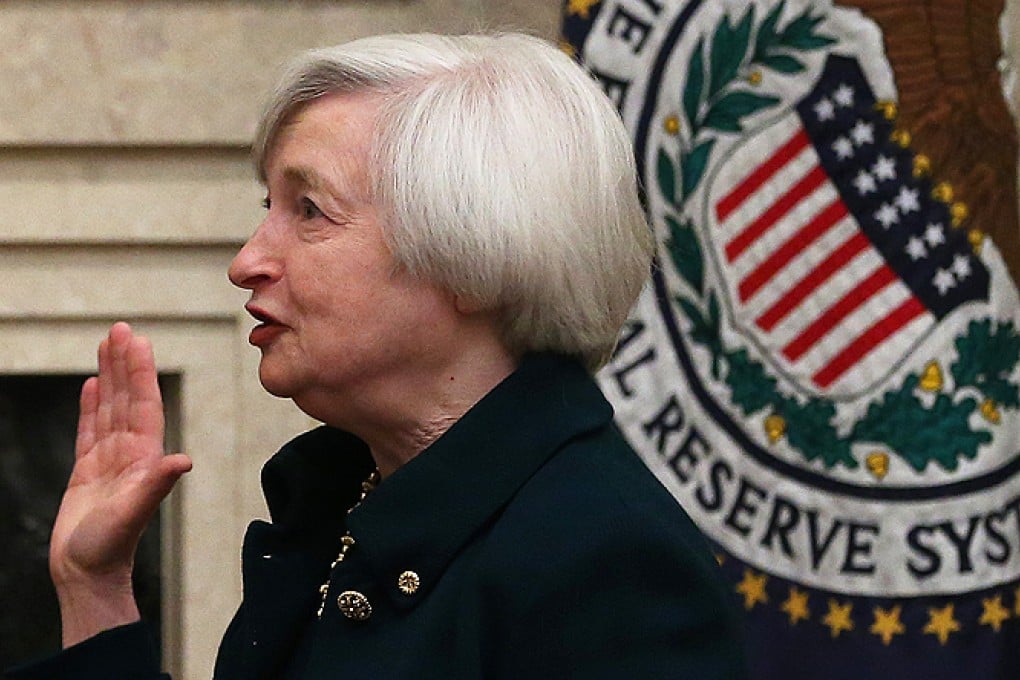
x: 715, y: 101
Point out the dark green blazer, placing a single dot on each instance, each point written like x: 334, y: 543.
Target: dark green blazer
x: 541, y: 547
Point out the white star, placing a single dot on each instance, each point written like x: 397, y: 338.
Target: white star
x: 934, y: 236
x: 864, y: 182
x: 863, y: 133
x: 944, y: 280
x: 887, y: 215
x: 843, y: 148
x: 844, y: 95
x: 916, y: 249
x: 961, y: 267
x: 907, y: 200
x: 825, y: 110
x: 884, y: 168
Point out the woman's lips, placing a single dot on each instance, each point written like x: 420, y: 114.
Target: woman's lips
x: 268, y: 328
x: 264, y: 334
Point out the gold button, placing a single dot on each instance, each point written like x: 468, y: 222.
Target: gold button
x: 408, y: 583
x: 354, y: 605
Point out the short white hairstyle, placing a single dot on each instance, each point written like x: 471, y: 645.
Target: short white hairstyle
x: 503, y: 174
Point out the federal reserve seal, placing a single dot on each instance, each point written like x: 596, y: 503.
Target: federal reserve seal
x: 824, y: 367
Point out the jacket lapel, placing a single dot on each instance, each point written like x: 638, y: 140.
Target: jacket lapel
x: 309, y: 485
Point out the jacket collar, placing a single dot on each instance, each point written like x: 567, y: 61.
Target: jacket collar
x: 308, y: 484
x: 421, y: 515
x: 313, y: 480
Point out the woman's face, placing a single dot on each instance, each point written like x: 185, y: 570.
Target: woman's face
x: 340, y: 324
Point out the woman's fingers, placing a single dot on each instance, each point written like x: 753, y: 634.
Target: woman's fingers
x: 145, y: 415
x: 120, y: 474
x: 124, y: 397
x: 172, y: 467
x: 87, y: 407
x: 120, y: 341
x: 104, y: 403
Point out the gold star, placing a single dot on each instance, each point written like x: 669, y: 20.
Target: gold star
x: 581, y: 7
x: 1016, y: 600
x: 838, y: 619
x: 887, y: 624
x: 941, y: 623
x: 994, y: 613
x: 753, y: 589
x: 796, y: 606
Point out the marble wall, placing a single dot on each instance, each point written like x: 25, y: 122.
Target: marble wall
x: 125, y: 189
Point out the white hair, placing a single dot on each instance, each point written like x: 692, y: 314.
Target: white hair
x: 503, y: 174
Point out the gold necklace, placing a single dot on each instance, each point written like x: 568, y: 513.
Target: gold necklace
x: 347, y: 541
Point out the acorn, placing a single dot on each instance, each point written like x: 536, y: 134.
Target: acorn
x: 990, y: 411
x: 922, y: 165
x: 877, y: 463
x: 887, y: 108
x: 775, y: 427
x: 943, y: 191
x: 931, y: 378
x: 959, y: 212
x: 901, y: 137
x: 976, y: 237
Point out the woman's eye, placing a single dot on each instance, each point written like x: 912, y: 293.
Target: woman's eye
x: 309, y: 210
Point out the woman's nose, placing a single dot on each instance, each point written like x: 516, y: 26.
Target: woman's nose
x: 252, y: 265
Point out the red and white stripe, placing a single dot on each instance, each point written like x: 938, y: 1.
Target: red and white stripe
x: 802, y: 275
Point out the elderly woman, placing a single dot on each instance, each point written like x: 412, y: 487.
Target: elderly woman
x: 451, y: 244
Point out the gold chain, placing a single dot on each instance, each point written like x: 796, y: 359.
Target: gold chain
x: 347, y: 541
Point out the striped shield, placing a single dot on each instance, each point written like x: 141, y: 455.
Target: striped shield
x: 837, y: 257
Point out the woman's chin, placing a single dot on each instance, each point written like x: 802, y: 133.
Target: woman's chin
x: 273, y: 381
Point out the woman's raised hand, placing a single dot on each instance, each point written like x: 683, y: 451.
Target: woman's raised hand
x: 120, y: 476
